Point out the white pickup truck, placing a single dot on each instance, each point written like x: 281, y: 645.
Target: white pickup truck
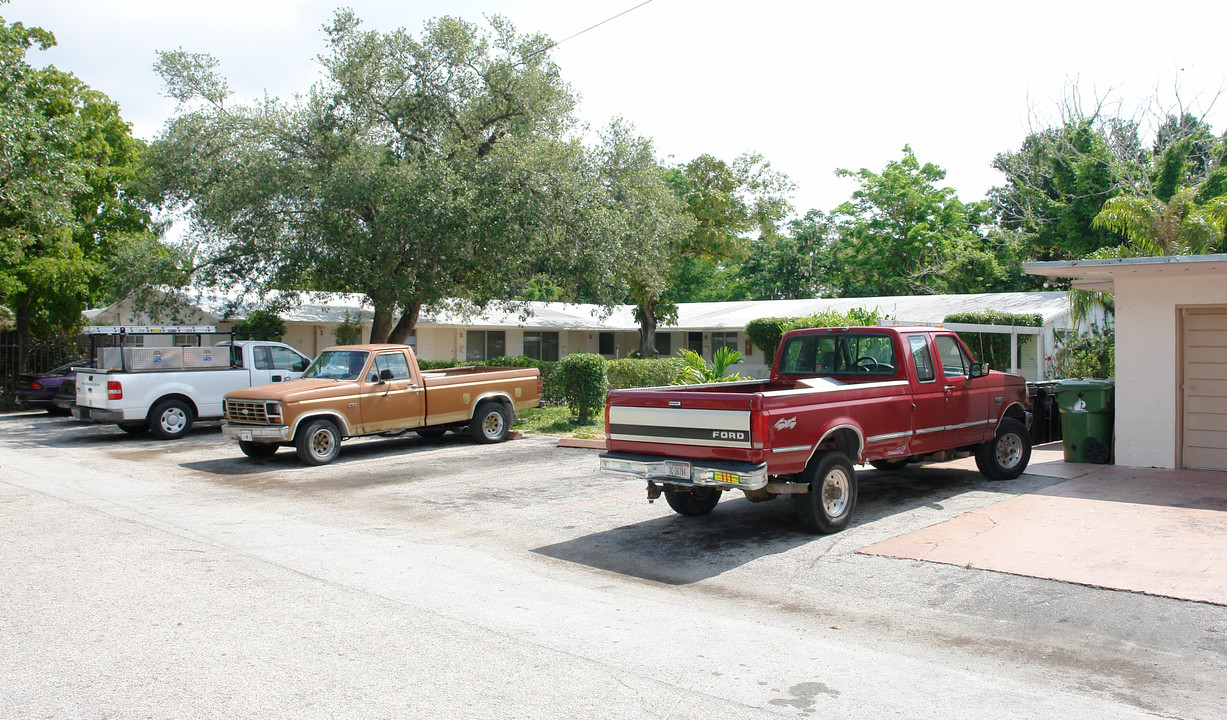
x: 165, y: 389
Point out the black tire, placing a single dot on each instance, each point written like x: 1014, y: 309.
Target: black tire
x: 318, y: 443
x: 431, y: 433
x: 170, y: 419
x: 491, y: 423
x: 1005, y: 457
x: 134, y: 428
x: 258, y: 451
x: 693, y: 502
x: 889, y: 464
x: 829, y: 504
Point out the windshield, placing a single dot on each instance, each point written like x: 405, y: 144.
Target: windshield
x: 338, y: 365
x: 838, y: 354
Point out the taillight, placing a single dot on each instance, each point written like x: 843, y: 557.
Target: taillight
x: 36, y: 385
x: 115, y: 391
x: 758, y: 430
x: 540, y: 387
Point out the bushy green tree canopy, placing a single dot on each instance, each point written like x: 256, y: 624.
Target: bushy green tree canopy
x: 68, y: 168
x: 419, y: 168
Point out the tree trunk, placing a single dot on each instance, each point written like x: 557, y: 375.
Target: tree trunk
x: 381, y: 324
x: 647, y: 329
x: 408, y: 321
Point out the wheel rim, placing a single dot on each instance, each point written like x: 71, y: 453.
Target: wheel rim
x: 173, y: 420
x: 835, y: 491
x: 322, y: 443
x: 492, y: 426
x: 1009, y: 451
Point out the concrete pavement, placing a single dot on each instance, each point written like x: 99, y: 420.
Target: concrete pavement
x: 1147, y: 530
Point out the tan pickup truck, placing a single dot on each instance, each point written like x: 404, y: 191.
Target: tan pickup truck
x: 354, y: 390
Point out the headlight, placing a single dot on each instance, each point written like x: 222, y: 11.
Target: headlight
x: 273, y: 410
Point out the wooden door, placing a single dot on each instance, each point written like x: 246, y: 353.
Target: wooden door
x: 1204, y: 384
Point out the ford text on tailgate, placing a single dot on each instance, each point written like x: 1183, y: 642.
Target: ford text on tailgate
x: 836, y: 396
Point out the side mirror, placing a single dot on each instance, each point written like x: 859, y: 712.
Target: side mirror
x: 976, y: 370
x: 385, y: 375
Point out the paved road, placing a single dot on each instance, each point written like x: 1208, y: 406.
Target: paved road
x: 447, y: 579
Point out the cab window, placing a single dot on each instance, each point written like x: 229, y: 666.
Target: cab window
x: 839, y: 354
x: 922, y: 358
x: 390, y: 361
x: 287, y: 359
x: 954, y: 361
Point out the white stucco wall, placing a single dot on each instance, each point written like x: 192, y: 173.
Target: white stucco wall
x: 1146, y: 362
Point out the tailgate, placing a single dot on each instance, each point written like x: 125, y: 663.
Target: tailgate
x: 679, y: 426
x: 92, y: 389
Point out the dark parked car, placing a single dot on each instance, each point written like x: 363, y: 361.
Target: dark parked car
x: 39, y: 390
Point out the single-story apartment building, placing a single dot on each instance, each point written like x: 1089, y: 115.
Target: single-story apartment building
x: 1171, y: 355
x: 549, y: 331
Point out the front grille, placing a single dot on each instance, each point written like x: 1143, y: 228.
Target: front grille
x: 253, y: 412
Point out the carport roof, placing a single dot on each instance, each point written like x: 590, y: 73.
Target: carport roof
x: 1101, y: 274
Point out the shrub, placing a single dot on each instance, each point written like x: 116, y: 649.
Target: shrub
x: 765, y: 333
x: 1089, y: 356
x: 584, y: 384
x: 697, y: 371
x: 656, y: 372
x: 260, y: 325
x: 993, y: 348
x: 349, y: 331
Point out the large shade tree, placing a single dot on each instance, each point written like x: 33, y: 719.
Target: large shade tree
x: 68, y: 166
x: 417, y: 169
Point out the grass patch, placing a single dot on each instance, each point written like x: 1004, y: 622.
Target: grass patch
x: 556, y: 420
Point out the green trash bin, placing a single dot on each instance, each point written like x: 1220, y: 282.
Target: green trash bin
x: 1087, y: 416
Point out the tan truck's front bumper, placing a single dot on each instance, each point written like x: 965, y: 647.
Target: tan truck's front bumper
x: 257, y: 433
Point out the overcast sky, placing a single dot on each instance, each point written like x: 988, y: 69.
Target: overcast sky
x: 813, y: 86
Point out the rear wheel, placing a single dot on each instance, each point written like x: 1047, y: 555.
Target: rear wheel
x: 827, y: 507
x: 318, y: 443
x: 1007, y: 454
x: 695, y: 501
x: 170, y: 419
x: 257, y: 451
x: 490, y: 423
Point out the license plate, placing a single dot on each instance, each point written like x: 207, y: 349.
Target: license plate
x: 726, y: 477
x: 245, y: 435
x: 677, y: 469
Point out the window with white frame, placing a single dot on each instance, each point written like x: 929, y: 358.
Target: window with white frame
x: 541, y: 345
x: 485, y: 344
x: 723, y: 339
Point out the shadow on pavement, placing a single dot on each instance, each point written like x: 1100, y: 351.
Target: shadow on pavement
x: 679, y: 550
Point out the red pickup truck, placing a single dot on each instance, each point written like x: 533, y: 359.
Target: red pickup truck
x: 887, y: 396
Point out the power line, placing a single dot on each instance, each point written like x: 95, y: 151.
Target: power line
x: 581, y: 32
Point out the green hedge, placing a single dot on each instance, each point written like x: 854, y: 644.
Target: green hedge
x: 765, y: 333
x: 993, y: 348
x: 551, y: 393
x: 630, y: 373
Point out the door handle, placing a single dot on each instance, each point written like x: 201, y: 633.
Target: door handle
x: 276, y: 378
x: 949, y: 388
